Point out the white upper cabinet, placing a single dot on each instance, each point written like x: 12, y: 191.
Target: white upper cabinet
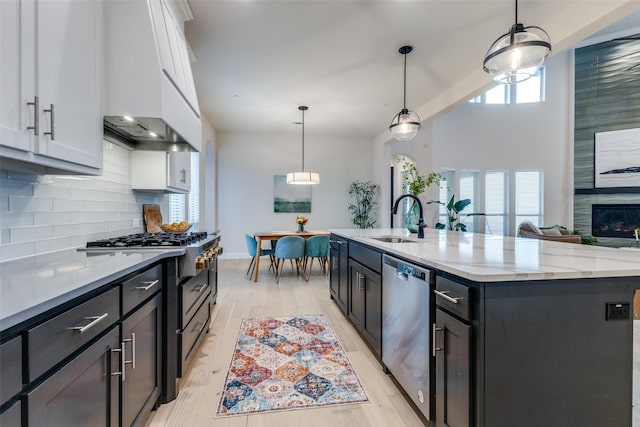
x: 158, y: 171
x: 50, y: 114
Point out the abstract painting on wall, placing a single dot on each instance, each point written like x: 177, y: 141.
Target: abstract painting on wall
x: 290, y: 198
x: 617, y: 158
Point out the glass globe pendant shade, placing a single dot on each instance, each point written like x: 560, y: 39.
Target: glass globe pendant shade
x: 518, y: 54
x: 405, y: 125
x: 303, y: 178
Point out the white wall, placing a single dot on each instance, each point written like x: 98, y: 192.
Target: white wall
x: 247, y: 164
x: 208, y: 179
x: 477, y: 137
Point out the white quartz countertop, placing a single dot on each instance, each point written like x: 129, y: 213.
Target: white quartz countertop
x: 31, y: 286
x: 490, y: 258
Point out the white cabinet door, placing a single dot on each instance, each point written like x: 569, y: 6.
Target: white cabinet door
x: 68, y: 82
x: 17, y: 32
x: 158, y: 171
x: 50, y: 113
x: 179, y: 170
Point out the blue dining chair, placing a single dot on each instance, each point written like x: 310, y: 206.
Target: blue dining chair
x: 316, y: 247
x: 289, y: 248
x: 252, y: 247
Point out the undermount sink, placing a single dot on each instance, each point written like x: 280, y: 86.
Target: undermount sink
x: 393, y: 239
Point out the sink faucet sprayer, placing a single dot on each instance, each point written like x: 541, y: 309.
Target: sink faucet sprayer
x: 421, y: 224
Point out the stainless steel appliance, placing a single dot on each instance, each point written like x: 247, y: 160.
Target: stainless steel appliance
x: 407, y: 315
x: 189, y: 292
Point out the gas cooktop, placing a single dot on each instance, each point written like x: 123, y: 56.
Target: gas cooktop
x: 151, y: 241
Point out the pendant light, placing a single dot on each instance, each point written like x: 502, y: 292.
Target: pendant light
x: 303, y: 178
x: 405, y: 124
x: 518, y: 54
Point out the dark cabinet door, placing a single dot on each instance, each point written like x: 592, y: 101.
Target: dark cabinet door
x: 357, y: 287
x: 339, y: 279
x: 365, y: 303
x: 141, y: 343
x: 453, y: 387
x: 84, y: 392
x: 373, y: 309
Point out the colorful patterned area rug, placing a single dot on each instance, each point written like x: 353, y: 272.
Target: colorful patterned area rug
x: 285, y: 363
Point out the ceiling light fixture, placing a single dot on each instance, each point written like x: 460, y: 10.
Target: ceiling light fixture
x: 405, y: 124
x: 303, y: 178
x: 518, y: 54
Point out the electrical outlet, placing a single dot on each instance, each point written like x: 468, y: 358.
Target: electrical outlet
x: 618, y: 310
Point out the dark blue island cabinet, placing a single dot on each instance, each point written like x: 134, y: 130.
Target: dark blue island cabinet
x: 553, y: 353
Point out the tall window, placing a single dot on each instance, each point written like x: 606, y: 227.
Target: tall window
x: 187, y: 206
x: 529, y: 197
x: 495, y: 202
x: 444, y: 193
x: 530, y: 90
x: 468, y: 190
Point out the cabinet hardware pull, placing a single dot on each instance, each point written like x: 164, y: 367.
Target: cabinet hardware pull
x: 198, y: 330
x: 52, y: 122
x: 360, y: 287
x: 149, y: 285
x: 334, y: 263
x: 444, y: 295
x: 122, y: 361
x: 36, y: 117
x: 117, y: 350
x: 183, y: 175
x: 94, y: 321
x: 132, y: 340
x: 433, y: 340
x: 200, y: 288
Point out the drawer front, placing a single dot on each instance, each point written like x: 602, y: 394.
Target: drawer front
x: 454, y: 297
x: 140, y: 288
x: 10, y: 368
x: 365, y: 256
x: 193, y: 292
x: 57, y: 338
x: 192, y: 333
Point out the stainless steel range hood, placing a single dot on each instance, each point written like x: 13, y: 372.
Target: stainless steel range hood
x: 150, y: 98
x: 144, y: 133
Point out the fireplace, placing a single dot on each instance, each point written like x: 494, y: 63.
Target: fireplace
x: 615, y: 220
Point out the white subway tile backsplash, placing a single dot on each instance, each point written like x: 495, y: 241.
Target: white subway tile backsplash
x: 40, y: 214
x: 31, y: 234
x: 16, y: 219
x: 30, y: 204
x: 51, y: 245
x: 20, y: 250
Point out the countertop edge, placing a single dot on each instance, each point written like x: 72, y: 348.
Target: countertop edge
x: 35, y: 310
x: 494, y: 272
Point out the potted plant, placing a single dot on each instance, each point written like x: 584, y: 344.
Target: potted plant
x: 454, y: 209
x: 416, y: 184
x: 362, y: 211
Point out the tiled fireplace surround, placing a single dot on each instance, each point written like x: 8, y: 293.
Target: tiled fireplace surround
x: 607, y: 98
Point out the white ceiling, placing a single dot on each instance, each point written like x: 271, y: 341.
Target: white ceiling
x: 258, y: 60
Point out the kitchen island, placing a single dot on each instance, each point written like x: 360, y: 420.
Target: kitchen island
x: 524, y: 332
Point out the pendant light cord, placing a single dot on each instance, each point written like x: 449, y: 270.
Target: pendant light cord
x: 404, y: 100
x: 516, y: 11
x: 302, y: 140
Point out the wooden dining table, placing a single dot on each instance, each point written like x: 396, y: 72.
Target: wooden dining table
x: 275, y: 235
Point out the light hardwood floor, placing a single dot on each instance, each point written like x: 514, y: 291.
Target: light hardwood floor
x: 239, y: 297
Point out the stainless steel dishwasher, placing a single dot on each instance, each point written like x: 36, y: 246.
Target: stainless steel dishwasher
x: 407, y: 316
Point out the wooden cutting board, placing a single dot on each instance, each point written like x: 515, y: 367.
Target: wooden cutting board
x: 152, y: 218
